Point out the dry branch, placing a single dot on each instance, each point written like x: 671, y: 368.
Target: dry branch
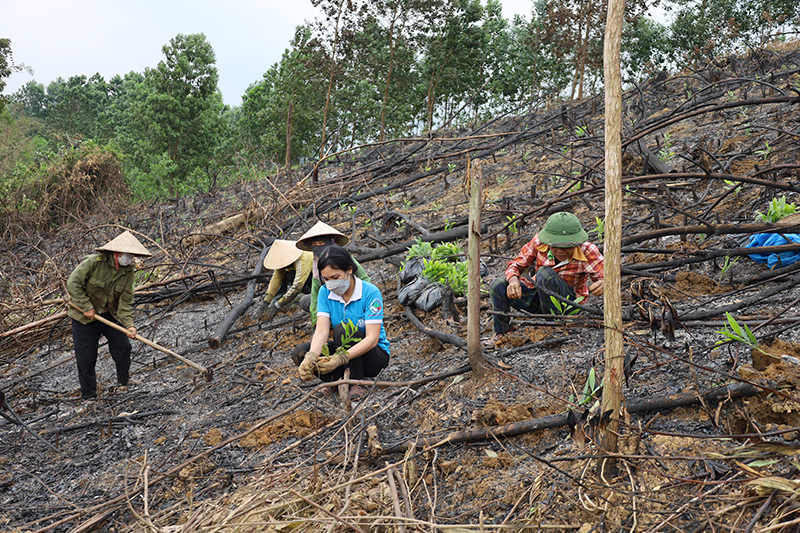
x: 241, y: 307
x: 662, y: 403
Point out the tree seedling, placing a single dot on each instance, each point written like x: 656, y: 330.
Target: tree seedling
x: 766, y: 151
x: 778, y: 209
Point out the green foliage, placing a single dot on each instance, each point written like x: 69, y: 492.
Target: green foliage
x: 732, y: 184
x: 778, y: 209
x: 449, y: 251
x: 350, y: 331
x: 765, y: 151
x: 152, y: 184
x: 182, y: 110
x: 738, y: 333
x: 513, y: 227
x: 591, y: 389
x: 703, y: 30
x: 62, y: 186
x: 563, y: 308
x: 420, y: 249
x: 601, y: 228
x: 646, y: 49
x: 7, y: 68
x: 453, y: 274
x: 666, y: 152
x: 442, y: 264
x: 290, y: 95
x: 348, y: 341
x: 726, y: 265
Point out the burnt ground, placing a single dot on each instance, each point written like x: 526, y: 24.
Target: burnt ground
x: 254, y: 450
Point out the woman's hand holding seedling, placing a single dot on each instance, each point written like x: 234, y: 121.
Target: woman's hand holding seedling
x: 326, y: 365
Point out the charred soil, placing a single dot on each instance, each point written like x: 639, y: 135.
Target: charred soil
x: 432, y: 448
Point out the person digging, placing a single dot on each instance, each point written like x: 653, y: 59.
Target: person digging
x: 102, y: 285
x: 563, y: 262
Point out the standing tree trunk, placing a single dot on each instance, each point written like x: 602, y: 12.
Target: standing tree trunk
x: 476, y: 358
x: 612, y: 387
x: 389, y: 74
x: 288, y: 160
x: 330, y: 82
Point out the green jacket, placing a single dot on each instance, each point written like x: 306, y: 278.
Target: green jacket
x: 315, y: 285
x: 96, y: 283
x: 302, y: 270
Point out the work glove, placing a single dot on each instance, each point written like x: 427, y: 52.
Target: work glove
x: 271, y: 311
x: 329, y: 364
x: 307, y: 366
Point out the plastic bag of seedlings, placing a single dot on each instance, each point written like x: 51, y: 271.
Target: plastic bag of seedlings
x: 431, y: 297
x: 408, y: 294
x: 412, y: 269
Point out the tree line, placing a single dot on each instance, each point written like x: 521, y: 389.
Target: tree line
x: 363, y: 71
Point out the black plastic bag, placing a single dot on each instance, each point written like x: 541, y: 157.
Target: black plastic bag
x: 408, y: 294
x: 431, y: 297
x: 412, y: 269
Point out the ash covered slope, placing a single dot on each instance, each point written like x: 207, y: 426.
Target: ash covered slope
x: 249, y: 445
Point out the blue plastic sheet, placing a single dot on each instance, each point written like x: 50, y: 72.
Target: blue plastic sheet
x: 773, y: 239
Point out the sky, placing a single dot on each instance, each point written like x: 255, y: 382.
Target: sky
x: 70, y: 38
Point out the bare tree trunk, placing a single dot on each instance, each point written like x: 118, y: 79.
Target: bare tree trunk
x: 584, y: 50
x: 288, y: 161
x: 476, y: 358
x: 431, y: 93
x: 330, y: 82
x: 612, y: 387
x: 388, y: 75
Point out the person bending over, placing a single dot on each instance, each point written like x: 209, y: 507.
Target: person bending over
x: 353, y: 308
x: 562, y: 262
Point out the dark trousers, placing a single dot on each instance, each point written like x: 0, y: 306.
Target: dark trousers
x: 534, y: 301
x: 368, y: 365
x: 86, y: 338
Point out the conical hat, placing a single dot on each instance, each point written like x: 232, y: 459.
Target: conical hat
x: 281, y: 254
x: 318, y: 230
x: 124, y: 243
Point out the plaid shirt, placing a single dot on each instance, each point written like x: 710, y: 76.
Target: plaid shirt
x: 586, y: 264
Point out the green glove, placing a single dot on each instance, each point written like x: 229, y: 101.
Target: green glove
x: 308, y: 365
x: 333, y: 362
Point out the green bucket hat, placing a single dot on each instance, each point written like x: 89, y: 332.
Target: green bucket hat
x: 563, y: 230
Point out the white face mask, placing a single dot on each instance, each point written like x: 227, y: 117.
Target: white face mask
x: 338, y: 286
x: 125, y: 259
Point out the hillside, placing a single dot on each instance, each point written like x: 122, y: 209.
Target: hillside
x: 432, y: 448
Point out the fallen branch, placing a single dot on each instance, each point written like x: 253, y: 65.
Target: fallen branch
x: 449, y: 338
x: 736, y: 390
x: 712, y: 229
x: 34, y: 325
x: 241, y: 307
x: 441, y: 236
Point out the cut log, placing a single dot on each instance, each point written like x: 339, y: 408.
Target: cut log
x: 223, y: 226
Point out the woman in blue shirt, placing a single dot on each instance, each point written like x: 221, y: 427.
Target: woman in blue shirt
x: 345, y: 299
